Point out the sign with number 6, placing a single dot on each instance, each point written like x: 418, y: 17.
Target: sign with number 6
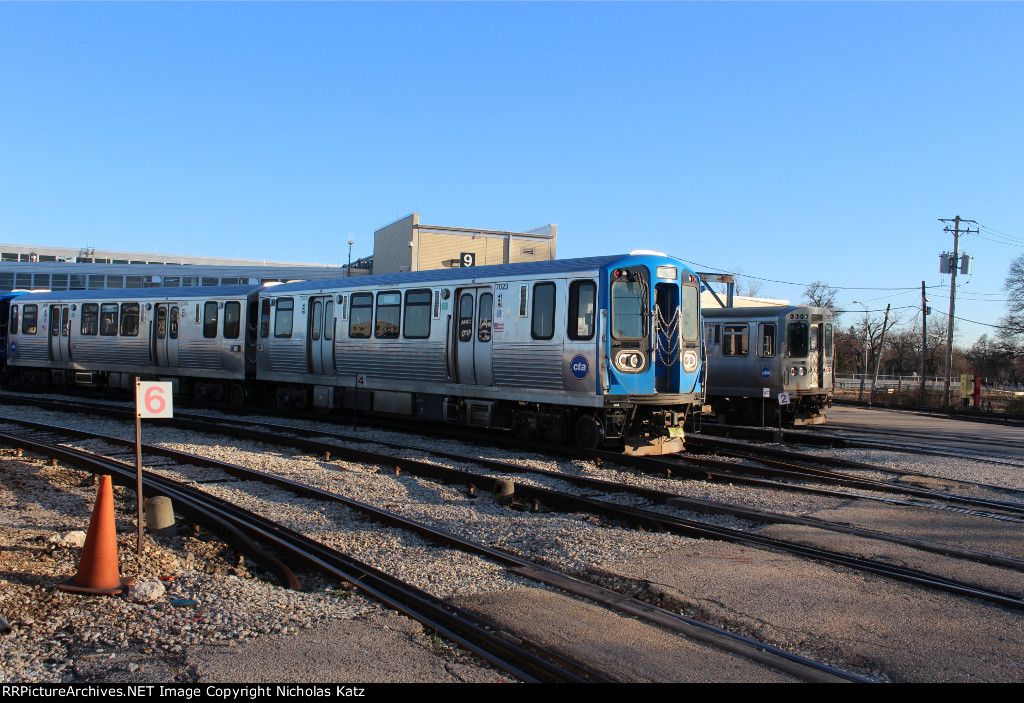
x: 154, y: 399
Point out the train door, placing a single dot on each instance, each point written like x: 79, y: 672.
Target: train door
x: 60, y: 333
x: 166, y: 334
x: 473, y: 336
x: 815, y: 357
x: 827, y: 377
x: 321, y: 335
x: 667, y: 337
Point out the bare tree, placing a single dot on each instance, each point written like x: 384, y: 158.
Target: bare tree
x: 742, y: 286
x: 903, y: 355
x: 1013, y: 321
x: 821, y: 295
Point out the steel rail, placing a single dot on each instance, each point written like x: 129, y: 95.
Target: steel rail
x: 760, y: 652
x: 484, y: 638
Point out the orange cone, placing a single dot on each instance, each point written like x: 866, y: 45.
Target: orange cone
x: 97, y: 567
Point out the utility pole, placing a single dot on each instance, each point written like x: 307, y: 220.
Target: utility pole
x: 953, y: 265
x: 878, y: 358
x: 924, y: 339
x: 860, y: 395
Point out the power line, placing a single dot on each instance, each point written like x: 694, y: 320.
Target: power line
x: 705, y: 267
x: 1010, y: 237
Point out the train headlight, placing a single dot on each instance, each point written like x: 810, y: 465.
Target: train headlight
x: 630, y: 361
x: 689, y: 362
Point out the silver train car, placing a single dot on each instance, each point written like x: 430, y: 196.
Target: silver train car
x: 600, y: 351
x: 201, y: 339
x: 756, y: 354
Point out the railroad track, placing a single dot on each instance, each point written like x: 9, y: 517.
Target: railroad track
x: 245, y: 530
x: 320, y: 557
x: 662, y: 521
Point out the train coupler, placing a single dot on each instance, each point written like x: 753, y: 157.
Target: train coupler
x: 655, y: 446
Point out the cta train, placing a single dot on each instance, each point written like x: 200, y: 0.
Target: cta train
x: 770, y: 361
x: 603, y: 351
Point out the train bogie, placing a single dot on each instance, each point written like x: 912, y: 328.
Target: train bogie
x: 770, y: 364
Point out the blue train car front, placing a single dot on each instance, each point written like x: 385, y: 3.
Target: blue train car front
x: 651, y: 350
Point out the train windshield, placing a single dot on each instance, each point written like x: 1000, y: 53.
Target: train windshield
x: 628, y: 307
x: 690, y: 313
x: 798, y: 337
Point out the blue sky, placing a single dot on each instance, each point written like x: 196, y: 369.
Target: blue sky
x: 787, y: 141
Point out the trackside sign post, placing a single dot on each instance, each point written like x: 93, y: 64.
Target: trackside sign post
x: 152, y: 400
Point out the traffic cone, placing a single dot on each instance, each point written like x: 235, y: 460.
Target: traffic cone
x: 97, y: 567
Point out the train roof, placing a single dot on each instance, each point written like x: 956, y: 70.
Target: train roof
x: 554, y: 267
x: 763, y: 310
x: 140, y: 293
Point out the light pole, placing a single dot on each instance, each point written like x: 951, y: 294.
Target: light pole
x: 348, y: 271
x: 860, y: 396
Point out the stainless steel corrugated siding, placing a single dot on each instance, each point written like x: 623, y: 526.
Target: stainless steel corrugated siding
x: 199, y: 355
x: 33, y: 348
x: 111, y: 350
x: 288, y: 356
x: 528, y: 366
x: 409, y: 361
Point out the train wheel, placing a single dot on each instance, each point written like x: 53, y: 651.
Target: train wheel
x: 588, y: 432
x: 236, y: 395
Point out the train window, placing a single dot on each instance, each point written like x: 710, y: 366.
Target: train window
x: 130, y: 320
x: 90, y: 318
x: 828, y: 341
x: 417, y: 313
x: 328, y: 319
x: 265, y: 318
x: 315, y: 319
x: 734, y: 340
x: 483, y: 328
x: 466, y: 317
x: 389, y: 315
x: 690, y: 313
x: 210, y: 319
x: 543, y: 311
x: 14, y: 318
x: 29, y: 319
x: 55, y: 320
x: 523, y: 295
x: 797, y: 338
x: 360, y: 317
x: 173, y: 325
x: 161, y: 322
x: 108, y: 319
x: 582, y: 303
x: 767, y: 335
x: 628, y: 308
x: 232, y: 319
x: 283, y: 317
